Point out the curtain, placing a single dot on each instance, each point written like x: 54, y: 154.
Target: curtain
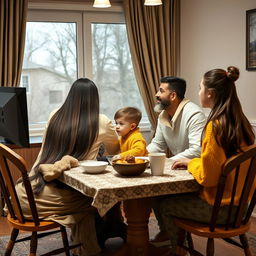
x: 153, y: 35
x: 13, y: 15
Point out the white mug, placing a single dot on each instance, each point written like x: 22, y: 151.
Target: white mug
x: 157, y: 163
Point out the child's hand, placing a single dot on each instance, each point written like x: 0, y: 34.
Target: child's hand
x: 116, y: 157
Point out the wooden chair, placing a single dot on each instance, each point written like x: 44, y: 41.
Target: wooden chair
x: 16, y: 217
x: 240, y: 225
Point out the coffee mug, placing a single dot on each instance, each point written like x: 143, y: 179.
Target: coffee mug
x: 157, y: 163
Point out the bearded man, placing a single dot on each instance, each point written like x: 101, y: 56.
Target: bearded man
x: 180, y: 122
x: 179, y: 128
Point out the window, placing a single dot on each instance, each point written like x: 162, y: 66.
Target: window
x: 50, y: 61
x: 112, y: 68
x: 63, y: 45
x: 24, y: 82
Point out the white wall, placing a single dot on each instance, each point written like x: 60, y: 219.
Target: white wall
x: 213, y: 35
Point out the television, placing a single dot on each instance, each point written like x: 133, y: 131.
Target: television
x: 14, y: 116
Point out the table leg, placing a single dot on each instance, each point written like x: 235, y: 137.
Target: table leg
x: 137, y: 212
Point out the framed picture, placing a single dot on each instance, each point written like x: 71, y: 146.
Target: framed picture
x: 251, y: 39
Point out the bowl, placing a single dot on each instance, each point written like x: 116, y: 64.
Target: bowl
x: 130, y: 169
x: 91, y: 166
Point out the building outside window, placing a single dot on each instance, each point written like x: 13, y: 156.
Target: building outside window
x: 55, y: 97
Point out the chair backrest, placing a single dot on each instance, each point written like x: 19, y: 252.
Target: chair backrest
x: 243, y: 211
x: 7, y: 184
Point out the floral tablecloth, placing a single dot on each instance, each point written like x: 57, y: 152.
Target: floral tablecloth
x: 108, y: 187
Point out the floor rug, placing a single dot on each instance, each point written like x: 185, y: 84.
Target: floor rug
x: 45, y: 245
x: 54, y: 241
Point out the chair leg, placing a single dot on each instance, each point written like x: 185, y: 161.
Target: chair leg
x: 210, y: 247
x: 180, y: 243
x: 190, y: 241
x: 11, y: 242
x: 33, y: 244
x: 65, y: 240
x: 245, y: 244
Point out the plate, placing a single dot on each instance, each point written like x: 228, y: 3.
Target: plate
x: 91, y: 166
x: 142, y: 157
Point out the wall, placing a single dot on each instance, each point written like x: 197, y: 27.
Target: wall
x: 213, y: 35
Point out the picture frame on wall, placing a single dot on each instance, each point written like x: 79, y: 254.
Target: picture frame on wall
x: 251, y: 39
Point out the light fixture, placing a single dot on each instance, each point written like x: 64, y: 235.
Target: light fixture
x: 101, y: 3
x: 153, y: 2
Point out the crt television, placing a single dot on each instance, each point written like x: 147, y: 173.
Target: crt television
x: 14, y: 116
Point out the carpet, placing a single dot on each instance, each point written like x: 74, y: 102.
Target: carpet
x: 54, y: 241
x: 45, y: 245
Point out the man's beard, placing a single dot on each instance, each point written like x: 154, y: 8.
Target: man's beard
x: 161, y: 105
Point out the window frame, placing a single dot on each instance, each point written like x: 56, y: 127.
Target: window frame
x: 83, y: 15
x: 96, y: 17
x: 46, y: 15
x: 21, y: 82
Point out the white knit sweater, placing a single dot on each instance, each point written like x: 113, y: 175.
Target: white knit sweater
x: 181, y: 134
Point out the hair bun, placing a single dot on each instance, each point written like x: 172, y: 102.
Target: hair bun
x: 233, y: 73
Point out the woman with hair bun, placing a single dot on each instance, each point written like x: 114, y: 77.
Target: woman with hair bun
x: 226, y: 133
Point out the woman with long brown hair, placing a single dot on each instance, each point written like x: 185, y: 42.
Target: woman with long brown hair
x: 226, y: 133
x: 76, y: 129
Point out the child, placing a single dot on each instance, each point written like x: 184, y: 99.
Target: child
x: 132, y: 142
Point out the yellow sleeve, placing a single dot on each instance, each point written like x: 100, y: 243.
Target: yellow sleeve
x: 207, y: 169
x: 135, y: 146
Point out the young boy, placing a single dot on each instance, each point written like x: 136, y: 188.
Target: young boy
x: 131, y: 140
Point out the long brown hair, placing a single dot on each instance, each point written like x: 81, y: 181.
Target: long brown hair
x: 230, y: 126
x: 73, y: 128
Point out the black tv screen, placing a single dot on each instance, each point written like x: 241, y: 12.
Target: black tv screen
x: 14, y: 116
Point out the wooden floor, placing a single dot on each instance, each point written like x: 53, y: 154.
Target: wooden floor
x: 221, y: 247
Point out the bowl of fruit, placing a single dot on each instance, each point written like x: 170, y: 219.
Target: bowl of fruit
x: 130, y: 166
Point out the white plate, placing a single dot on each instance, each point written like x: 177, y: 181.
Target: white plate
x: 91, y: 166
x: 142, y: 157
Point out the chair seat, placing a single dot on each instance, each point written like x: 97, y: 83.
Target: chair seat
x: 30, y: 226
x: 201, y: 229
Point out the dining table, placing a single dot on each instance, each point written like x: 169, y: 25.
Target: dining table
x: 135, y: 192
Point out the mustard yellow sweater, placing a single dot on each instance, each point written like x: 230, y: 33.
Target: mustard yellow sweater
x: 134, y: 144
x: 207, y: 169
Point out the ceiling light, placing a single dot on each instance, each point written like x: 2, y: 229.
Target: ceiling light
x: 101, y: 3
x: 153, y: 2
